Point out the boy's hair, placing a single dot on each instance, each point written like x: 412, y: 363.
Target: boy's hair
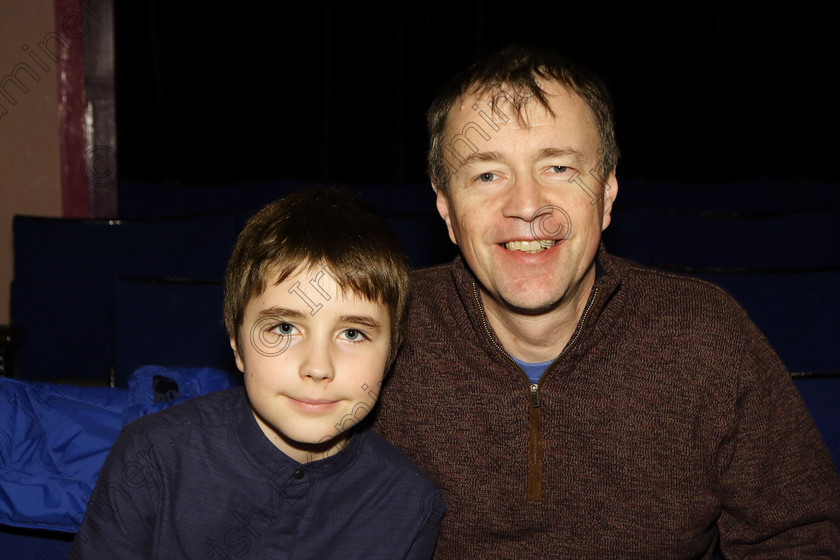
x: 320, y: 227
x: 514, y: 74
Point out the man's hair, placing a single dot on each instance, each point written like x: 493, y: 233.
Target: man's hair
x: 321, y: 227
x: 516, y: 74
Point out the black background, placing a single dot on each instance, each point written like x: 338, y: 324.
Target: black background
x: 337, y: 92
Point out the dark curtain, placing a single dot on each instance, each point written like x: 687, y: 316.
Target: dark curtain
x: 337, y: 93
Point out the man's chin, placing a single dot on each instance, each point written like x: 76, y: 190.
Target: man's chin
x: 532, y: 306
x: 532, y: 309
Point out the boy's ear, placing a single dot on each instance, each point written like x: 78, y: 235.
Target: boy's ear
x: 240, y: 363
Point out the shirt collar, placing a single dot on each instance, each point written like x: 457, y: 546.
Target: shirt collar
x: 281, y: 469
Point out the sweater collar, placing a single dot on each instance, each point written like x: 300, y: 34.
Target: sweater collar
x: 608, y: 280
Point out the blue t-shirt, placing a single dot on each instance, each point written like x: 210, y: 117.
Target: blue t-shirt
x: 533, y: 371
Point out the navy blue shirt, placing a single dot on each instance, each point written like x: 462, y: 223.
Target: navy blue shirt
x: 200, y: 480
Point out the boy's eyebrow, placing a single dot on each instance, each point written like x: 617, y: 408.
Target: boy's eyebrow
x: 365, y: 320
x: 279, y: 313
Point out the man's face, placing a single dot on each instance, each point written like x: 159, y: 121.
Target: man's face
x: 313, y: 357
x: 527, y: 204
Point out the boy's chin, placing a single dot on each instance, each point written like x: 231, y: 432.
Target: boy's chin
x: 315, y: 450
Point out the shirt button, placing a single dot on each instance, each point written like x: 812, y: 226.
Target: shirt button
x: 299, y: 474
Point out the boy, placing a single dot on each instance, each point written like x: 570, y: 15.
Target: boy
x: 315, y: 299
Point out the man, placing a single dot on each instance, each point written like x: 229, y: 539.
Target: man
x: 569, y: 403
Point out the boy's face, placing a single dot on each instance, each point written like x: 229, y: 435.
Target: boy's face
x: 313, y: 358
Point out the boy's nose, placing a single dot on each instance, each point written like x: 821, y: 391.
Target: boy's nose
x: 317, y: 365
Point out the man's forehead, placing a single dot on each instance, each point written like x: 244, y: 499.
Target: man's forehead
x: 507, y: 105
x: 485, y: 122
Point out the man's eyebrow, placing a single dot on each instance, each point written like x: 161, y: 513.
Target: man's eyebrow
x: 547, y: 153
x: 481, y: 156
x: 279, y: 313
x: 544, y: 153
x: 363, y: 320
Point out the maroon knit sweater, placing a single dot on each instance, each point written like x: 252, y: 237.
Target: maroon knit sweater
x: 667, y: 424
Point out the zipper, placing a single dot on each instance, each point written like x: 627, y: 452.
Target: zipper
x: 484, y: 322
x: 533, y: 490
x: 535, y: 387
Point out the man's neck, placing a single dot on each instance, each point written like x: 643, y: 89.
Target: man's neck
x: 542, y: 337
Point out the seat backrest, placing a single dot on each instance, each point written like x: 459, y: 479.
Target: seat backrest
x: 802, y: 240
x: 797, y: 312
x: 63, y: 291
x: 821, y: 394
x: 172, y: 323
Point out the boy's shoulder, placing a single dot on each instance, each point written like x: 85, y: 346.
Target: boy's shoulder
x: 388, y: 470
x: 211, y: 410
x: 390, y: 463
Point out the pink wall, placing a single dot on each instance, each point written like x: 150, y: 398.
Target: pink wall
x: 30, y: 174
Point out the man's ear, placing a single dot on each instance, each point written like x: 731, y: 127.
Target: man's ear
x: 442, y: 203
x: 610, y: 192
x: 240, y: 363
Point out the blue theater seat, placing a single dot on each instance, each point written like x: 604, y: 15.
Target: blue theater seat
x: 763, y: 195
x: 32, y: 544
x: 821, y: 393
x: 796, y: 310
x: 424, y: 239
x: 410, y: 208
x: 63, y: 291
x: 802, y: 240
x: 172, y: 323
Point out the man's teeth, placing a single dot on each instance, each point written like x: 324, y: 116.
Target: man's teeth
x: 529, y: 246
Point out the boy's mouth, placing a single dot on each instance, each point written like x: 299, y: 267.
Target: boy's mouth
x: 533, y: 246
x: 313, y: 405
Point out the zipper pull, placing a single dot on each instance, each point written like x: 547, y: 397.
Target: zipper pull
x: 535, y: 397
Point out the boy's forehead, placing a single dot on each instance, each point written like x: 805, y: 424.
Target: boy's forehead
x: 308, y: 286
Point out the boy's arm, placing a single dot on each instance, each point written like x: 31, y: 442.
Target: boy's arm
x: 433, y: 508
x: 120, y: 518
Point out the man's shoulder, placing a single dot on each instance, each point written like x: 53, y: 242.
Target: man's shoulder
x: 432, y: 275
x: 656, y: 284
x: 434, y: 290
x: 670, y: 302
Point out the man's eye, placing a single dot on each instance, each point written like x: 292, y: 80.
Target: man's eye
x: 559, y: 168
x: 487, y: 177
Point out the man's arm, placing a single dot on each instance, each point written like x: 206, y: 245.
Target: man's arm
x: 779, y: 487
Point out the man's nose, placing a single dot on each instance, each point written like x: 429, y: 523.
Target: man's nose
x: 525, y: 198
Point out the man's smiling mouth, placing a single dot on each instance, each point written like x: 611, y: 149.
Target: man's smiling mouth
x: 529, y: 246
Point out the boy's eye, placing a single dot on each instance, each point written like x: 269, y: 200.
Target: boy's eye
x: 353, y: 335
x: 284, y: 329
